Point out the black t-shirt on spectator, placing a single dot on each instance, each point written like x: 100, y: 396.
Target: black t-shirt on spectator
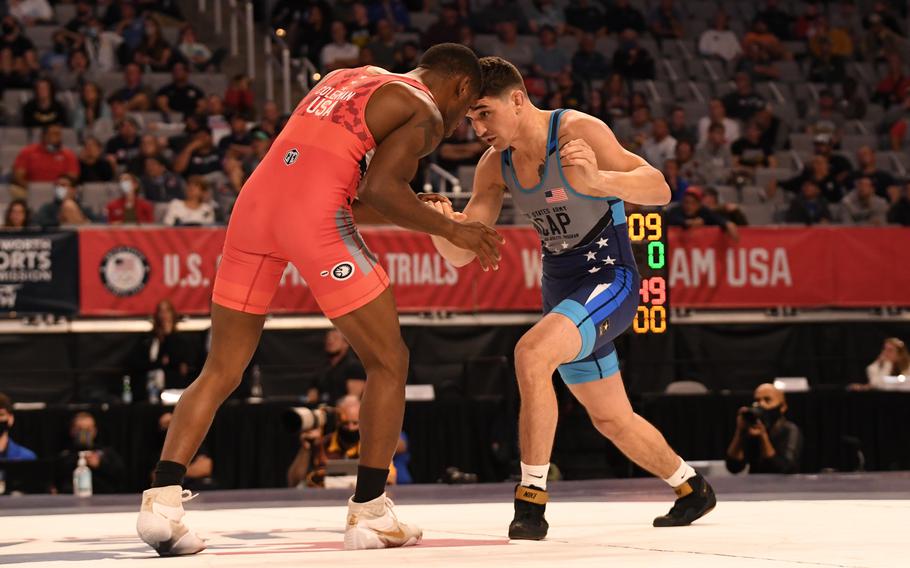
x: 750, y: 154
x: 100, y: 171
x: 588, y: 19
x: 333, y: 380
x: 34, y: 116
x: 637, y: 66
x: 899, y: 213
x: 202, y: 163
x: 880, y: 179
x: 182, y: 98
x: 19, y: 46
x: 743, y: 107
x: 627, y: 17
x: 807, y: 212
x: 245, y: 139
x: 676, y: 217
x: 121, y: 149
x: 788, y: 447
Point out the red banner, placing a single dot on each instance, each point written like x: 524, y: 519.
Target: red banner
x: 798, y: 267
x: 127, y: 271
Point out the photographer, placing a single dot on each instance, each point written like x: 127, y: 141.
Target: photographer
x: 765, y: 440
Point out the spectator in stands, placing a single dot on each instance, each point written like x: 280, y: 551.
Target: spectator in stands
x: 819, y: 171
x: 340, y: 53
x: 17, y: 217
x: 148, y: 147
x: 690, y: 212
x: 166, y: 350
x: 239, y: 96
x: 55, y: 59
x: 546, y: 13
x: 196, y: 53
x: 447, y: 29
x: 895, y: 85
x: 14, y: 72
x: 750, y: 153
x: 777, y: 21
x: 660, y: 146
x: 572, y: 93
x: 616, y: 96
x: 899, y: 214
x: 879, y: 41
x: 93, y: 166
x: 630, y: 59
x: 304, y: 463
x: 852, y: 105
x: 806, y: 24
x: 720, y: 41
x: 160, y: 184
x: 9, y: 449
x: 896, y: 122
x: 394, y: 11
x: 835, y: 39
x: 201, y: 467
x: 195, y: 209
x: 384, y: 45
x: 893, y: 360
x: 134, y: 93
x: 774, y: 133
x: 585, y: 17
x: 238, y: 171
x: 130, y: 208
x: 622, y: 16
x: 743, y: 102
x: 678, y: 184
x: 867, y: 167
x: 717, y: 114
x: 685, y: 160
x: 809, y: 207
x: 407, y: 58
x: 32, y: 12
x: 460, y: 149
x: 18, y: 43
x: 549, y: 61
x: 66, y: 208
x: 497, y: 12
x: 757, y: 62
x: 765, y: 440
x: 108, y: 468
x: 633, y: 133
x: 91, y: 107
x: 180, y: 95
x: 124, y: 147
x: 665, y: 21
x: 101, y: 46
x: 509, y: 48
x: 679, y: 126
x: 43, y: 109
x: 588, y: 62
x: 824, y: 119
x: 360, y: 28
x: 343, y: 374
x: 199, y: 157
x: 238, y: 143
x: 45, y: 160
x: 84, y: 14
x: 824, y: 65
x: 728, y: 211
x: 838, y: 165
x: 714, y: 159
x: 770, y: 43
x: 862, y: 207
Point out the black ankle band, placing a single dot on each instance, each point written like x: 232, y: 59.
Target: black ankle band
x: 168, y: 473
x: 370, y: 483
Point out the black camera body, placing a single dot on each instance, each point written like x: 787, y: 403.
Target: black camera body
x: 753, y: 414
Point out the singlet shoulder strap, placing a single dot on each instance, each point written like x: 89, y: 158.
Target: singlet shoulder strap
x: 553, y: 135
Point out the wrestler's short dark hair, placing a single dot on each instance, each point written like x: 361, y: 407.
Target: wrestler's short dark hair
x: 454, y: 59
x: 499, y: 77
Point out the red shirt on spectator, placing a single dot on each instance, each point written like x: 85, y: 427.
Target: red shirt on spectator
x: 896, y: 88
x: 41, y: 165
x: 239, y: 100
x: 142, y: 212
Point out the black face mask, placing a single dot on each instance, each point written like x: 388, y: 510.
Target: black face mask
x: 770, y: 416
x: 8, y: 29
x: 4, y: 427
x: 348, y: 437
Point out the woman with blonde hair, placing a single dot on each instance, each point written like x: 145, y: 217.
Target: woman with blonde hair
x: 893, y: 360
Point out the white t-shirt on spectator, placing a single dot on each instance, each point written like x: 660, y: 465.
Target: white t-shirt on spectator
x: 731, y: 129
x: 32, y: 10
x: 658, y: 152
x: 723, y: 44
x: 333, y: 52
x: 179, y: 213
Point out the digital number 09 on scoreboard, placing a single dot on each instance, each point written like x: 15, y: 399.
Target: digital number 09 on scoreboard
x: 649, y: 243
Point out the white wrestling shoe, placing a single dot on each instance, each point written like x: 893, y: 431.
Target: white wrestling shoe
x: 159, y: 524
x: 374, y: 525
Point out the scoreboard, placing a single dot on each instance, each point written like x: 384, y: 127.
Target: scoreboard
x: 648, y: 234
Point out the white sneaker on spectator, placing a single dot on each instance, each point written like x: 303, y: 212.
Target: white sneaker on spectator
x: 374, y: 525
x: 159, y: 524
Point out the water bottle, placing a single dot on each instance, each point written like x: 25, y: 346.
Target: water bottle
x: 127, y: 390
x: 2, y: 482
x: 256, y: 387
x: 82, y: 478
x: 155, y: 385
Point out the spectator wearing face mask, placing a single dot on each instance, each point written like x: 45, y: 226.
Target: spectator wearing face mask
x: 108, y: 468
x: 10, y: 450
x: 65, y: 209
x: 46, y: 160
x: 131, y: 208
x: 765, y: 440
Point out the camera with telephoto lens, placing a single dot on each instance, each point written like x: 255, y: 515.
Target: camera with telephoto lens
x: 301, y: 419
x: 753, y: 414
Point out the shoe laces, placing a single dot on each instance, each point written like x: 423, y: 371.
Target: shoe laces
x: 187, y: 495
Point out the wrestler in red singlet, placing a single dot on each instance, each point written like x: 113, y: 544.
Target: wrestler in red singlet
x: 296, y: 207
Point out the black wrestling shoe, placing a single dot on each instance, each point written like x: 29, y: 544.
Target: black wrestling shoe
x: 530, y: 505
x: 695, y: 499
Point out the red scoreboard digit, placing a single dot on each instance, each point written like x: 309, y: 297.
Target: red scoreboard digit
x: 649, y: 241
